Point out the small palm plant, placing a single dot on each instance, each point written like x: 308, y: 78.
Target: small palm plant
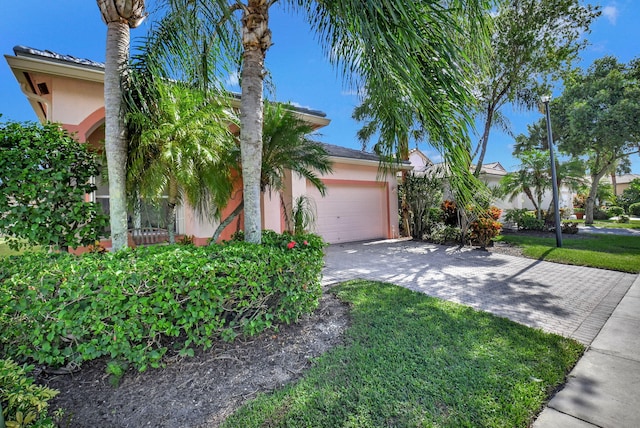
x: 303, y: 215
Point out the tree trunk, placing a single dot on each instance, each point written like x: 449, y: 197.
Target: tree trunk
x: 483, y: 142
x: 614, y: 183
x: 226, y: 222
x: 256, y: 39
x: 117, y: 55
x: 172, y: 201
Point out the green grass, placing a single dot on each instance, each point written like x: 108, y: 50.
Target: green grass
x: 412, y: 360
x: 5, y: 250
x: 614, y: 252
x: 612, y: 224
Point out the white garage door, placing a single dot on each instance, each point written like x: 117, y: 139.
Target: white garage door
x: 350, y: 212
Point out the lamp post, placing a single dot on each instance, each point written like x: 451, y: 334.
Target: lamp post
x: 554, y: 181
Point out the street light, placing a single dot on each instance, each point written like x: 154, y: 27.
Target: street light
x: 554, y: 182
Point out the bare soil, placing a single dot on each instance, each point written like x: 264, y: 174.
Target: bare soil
x: 199, y: 391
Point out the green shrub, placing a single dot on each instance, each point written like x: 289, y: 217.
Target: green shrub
x: 600, y: 214
x: 634, y: 209
x: 570, y: 227
x: 524, y: 219
x: 60, y: 308
x: 441, y: 233
x: 623, y: 219
x: 23, y: 403
x: 44, y: 176
x: 615, y: 211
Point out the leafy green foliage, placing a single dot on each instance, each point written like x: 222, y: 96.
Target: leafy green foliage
x: 44, y: 176
x: 524, y: 219
x: 441, y: 233
x: 533, y: 178
x: 631, y: 194
x: 623, y: 219
x: 615, y: 211
x: 533, y: 43
x: 592, y: 118
x: 23, y: 404
x: 59, y: 308
x: 415, y: 361
x: 421, y: 196
x: 634, y: 209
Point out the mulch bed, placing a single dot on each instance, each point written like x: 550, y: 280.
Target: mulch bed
x: 199, y: 391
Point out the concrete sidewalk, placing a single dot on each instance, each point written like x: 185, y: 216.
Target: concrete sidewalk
x: 599, y: 308
x: 604, y: 388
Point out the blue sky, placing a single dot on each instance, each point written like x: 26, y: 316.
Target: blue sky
x: 300, y: 71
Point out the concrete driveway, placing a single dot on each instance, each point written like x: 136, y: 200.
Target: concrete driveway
x: 568, y: 300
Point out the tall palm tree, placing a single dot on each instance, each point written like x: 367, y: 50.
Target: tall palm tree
x: 183, y: 151
x: 378, y: 44
x: 286, y: 145
x: 120, y: 16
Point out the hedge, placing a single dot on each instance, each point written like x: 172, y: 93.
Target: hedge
x: 132, y: 305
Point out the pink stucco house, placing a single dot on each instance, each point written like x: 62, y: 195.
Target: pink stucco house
x: 359, y: 204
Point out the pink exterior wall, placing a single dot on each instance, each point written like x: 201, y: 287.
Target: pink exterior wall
x: 79, y: 105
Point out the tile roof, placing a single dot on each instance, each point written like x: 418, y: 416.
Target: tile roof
x: 26, y: 51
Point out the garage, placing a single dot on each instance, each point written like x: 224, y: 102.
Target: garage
x: 351, y: 211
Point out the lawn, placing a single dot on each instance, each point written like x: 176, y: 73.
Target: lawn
x: 612, y: 224
x: 5, y: 250
x: 614, y: 252
x: 413, y: 360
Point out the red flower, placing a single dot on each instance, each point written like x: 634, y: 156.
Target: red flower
x: 305, y: 242
x: 291, y: 244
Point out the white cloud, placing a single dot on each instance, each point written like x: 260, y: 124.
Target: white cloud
x: 611, y: 13
x: 233, y: 79
x: 299, y: 105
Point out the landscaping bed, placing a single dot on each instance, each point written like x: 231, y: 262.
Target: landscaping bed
x: 199, y: 391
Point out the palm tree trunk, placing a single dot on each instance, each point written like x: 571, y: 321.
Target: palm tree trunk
x: 256, y: 39
x: 172, y: 201
x: 117, y: 54
x: 226, y: 222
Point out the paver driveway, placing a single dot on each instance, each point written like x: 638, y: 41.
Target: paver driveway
x: 568, y: 300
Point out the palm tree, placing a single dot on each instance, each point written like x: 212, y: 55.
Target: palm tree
x: 380, y: 44
x: 532, y: 179
x: 120, y: 16
x: 183, y: 151
x: 286, y: 146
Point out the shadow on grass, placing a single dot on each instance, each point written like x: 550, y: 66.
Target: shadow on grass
x: 413, y: 360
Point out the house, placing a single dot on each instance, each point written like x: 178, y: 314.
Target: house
x: 491, y: 173
x: 622, y: 182
x: 359, y: 205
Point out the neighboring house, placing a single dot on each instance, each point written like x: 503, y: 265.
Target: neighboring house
x: 491, y: 174
x: 359, y: 204
x: 622, y: 182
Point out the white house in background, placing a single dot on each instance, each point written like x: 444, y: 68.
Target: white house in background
x: 359, y: 205
x: 491, y: 174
